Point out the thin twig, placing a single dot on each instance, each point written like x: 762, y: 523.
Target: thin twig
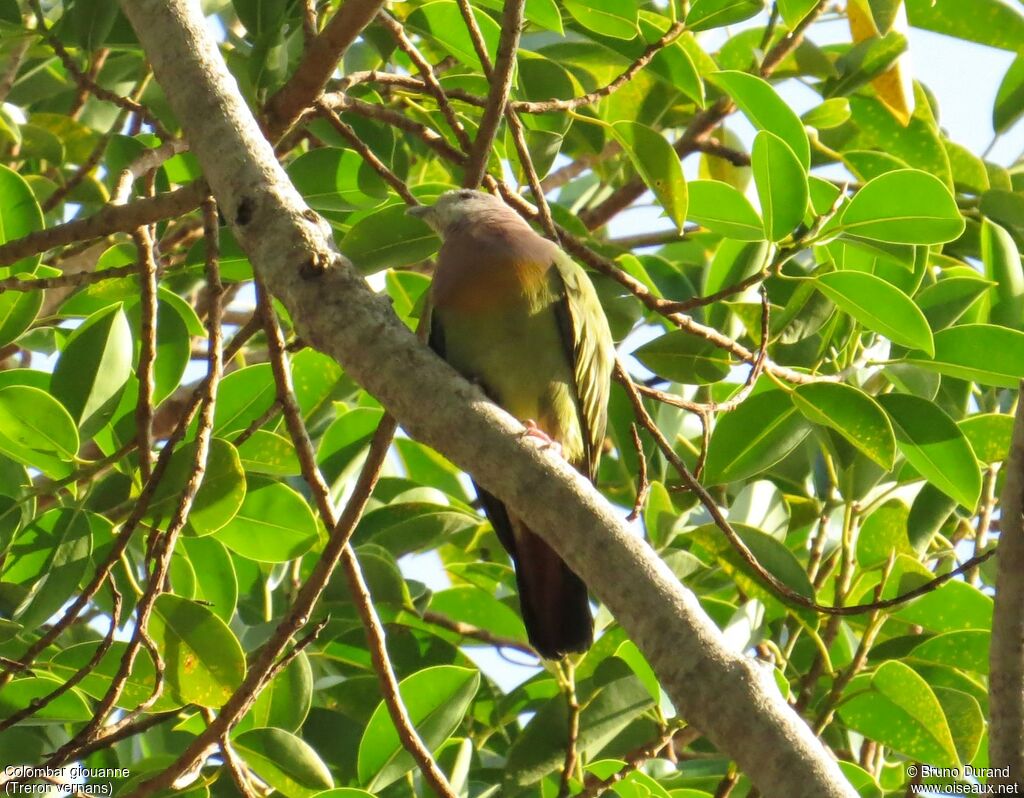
x: 643, y: 486
x: 476, y: 633
x: 76, y: 678
x: 568, y: 671
x: 398, y: 33
x: 91, y: 86
x: 778, y: 587
x: 147, y: 352
x: 501, y: 85
x: 367, y: 154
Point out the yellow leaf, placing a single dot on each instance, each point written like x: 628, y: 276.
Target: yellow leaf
x: 894, y: 87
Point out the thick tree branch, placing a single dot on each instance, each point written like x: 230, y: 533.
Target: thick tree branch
x: 318, y: 63
x: 1006, y: 659
x: 112, y: 219
x: 738, y: 705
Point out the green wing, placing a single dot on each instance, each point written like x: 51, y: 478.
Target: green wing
x: 591, y: 350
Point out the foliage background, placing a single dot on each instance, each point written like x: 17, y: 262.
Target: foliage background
x: 847, y: 394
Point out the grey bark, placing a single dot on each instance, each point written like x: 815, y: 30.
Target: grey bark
x: 726, y: 695
x: 1006, y: 657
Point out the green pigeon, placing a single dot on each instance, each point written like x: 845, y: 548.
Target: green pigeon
x: 514, y: 314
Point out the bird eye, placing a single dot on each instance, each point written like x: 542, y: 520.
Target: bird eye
x: 466, y: 194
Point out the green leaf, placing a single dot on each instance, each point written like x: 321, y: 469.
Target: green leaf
x: 332, y: 179
x: 1009, y: 105
x: 879, y: 306
x: 900, y: 710
x: 68, y: 708
x: 19, y: 215
x: 204, y: 662
x: 91, y: 22
x: 769, y: 552
x: 94, y: 368
x: 706, y: 14
x: 32, y: 419
x: 285, y: 762
x: 469, y: 604
x: 966, y: 649
x: 781, y: 185
x: 989, y: 22
x: 269, y: 453
x: 610, y: 700
x: 137, y: 687
x: 388, y: 238
x: 682, y: 357
x: 18, y: 309
x: 215, y: 579
x: 935, y: 446
x: 864, y: 62
x: 274, y: 524
x: 244, y: 396
x: 722, y: 209
x: 989, y: 434
x: 754, y: 437
x: 954, y: 606
x: 442, y: 22
x: 851, y: 413
x: 658, y: 165
x: 219, y: 497
x: 830, y: 114
x: 793, y: 11
x: 284, y: 703
x: 1003, y: 266
x: 948, y: 299
x: 49, y: 558
x: 904, y: 207
x: 983, y: 353
x: 436, y: 699
x: 884, y: 13
x: 766, y: 110
x: 883, y: 533
x: 615, y: 18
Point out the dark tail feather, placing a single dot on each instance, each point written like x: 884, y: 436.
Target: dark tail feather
x: 553, y: 600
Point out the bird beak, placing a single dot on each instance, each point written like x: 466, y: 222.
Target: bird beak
x: 419, y: 211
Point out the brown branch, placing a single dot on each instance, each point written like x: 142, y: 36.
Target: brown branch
x: 430, y: 137
x: 367, y: 154
x: 476, y: 633
x: 397, y: 32
x: 547, y: 106
x: 783, y: 591
x: 165, y: 543
x: 1006, y: 658
x: 643, y: 486
x: 10, y: 71
x: 39, y: 703
x: 147, y: 351
x: 139, y: 510
x: 83, y: 80
x: 319, y: 61
x: 147, y: 161
x: 112, y: 219
x: 66, y: 280
x: 568, y: 673
x: 700, y: 128
x: 497, y: 99
x: 593, y: 787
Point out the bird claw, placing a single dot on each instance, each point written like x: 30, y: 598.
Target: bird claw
x: 546, y: 441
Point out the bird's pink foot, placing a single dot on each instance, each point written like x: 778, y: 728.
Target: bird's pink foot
x: 546, y: 441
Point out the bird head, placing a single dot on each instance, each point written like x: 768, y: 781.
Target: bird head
x: 461, y: 207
